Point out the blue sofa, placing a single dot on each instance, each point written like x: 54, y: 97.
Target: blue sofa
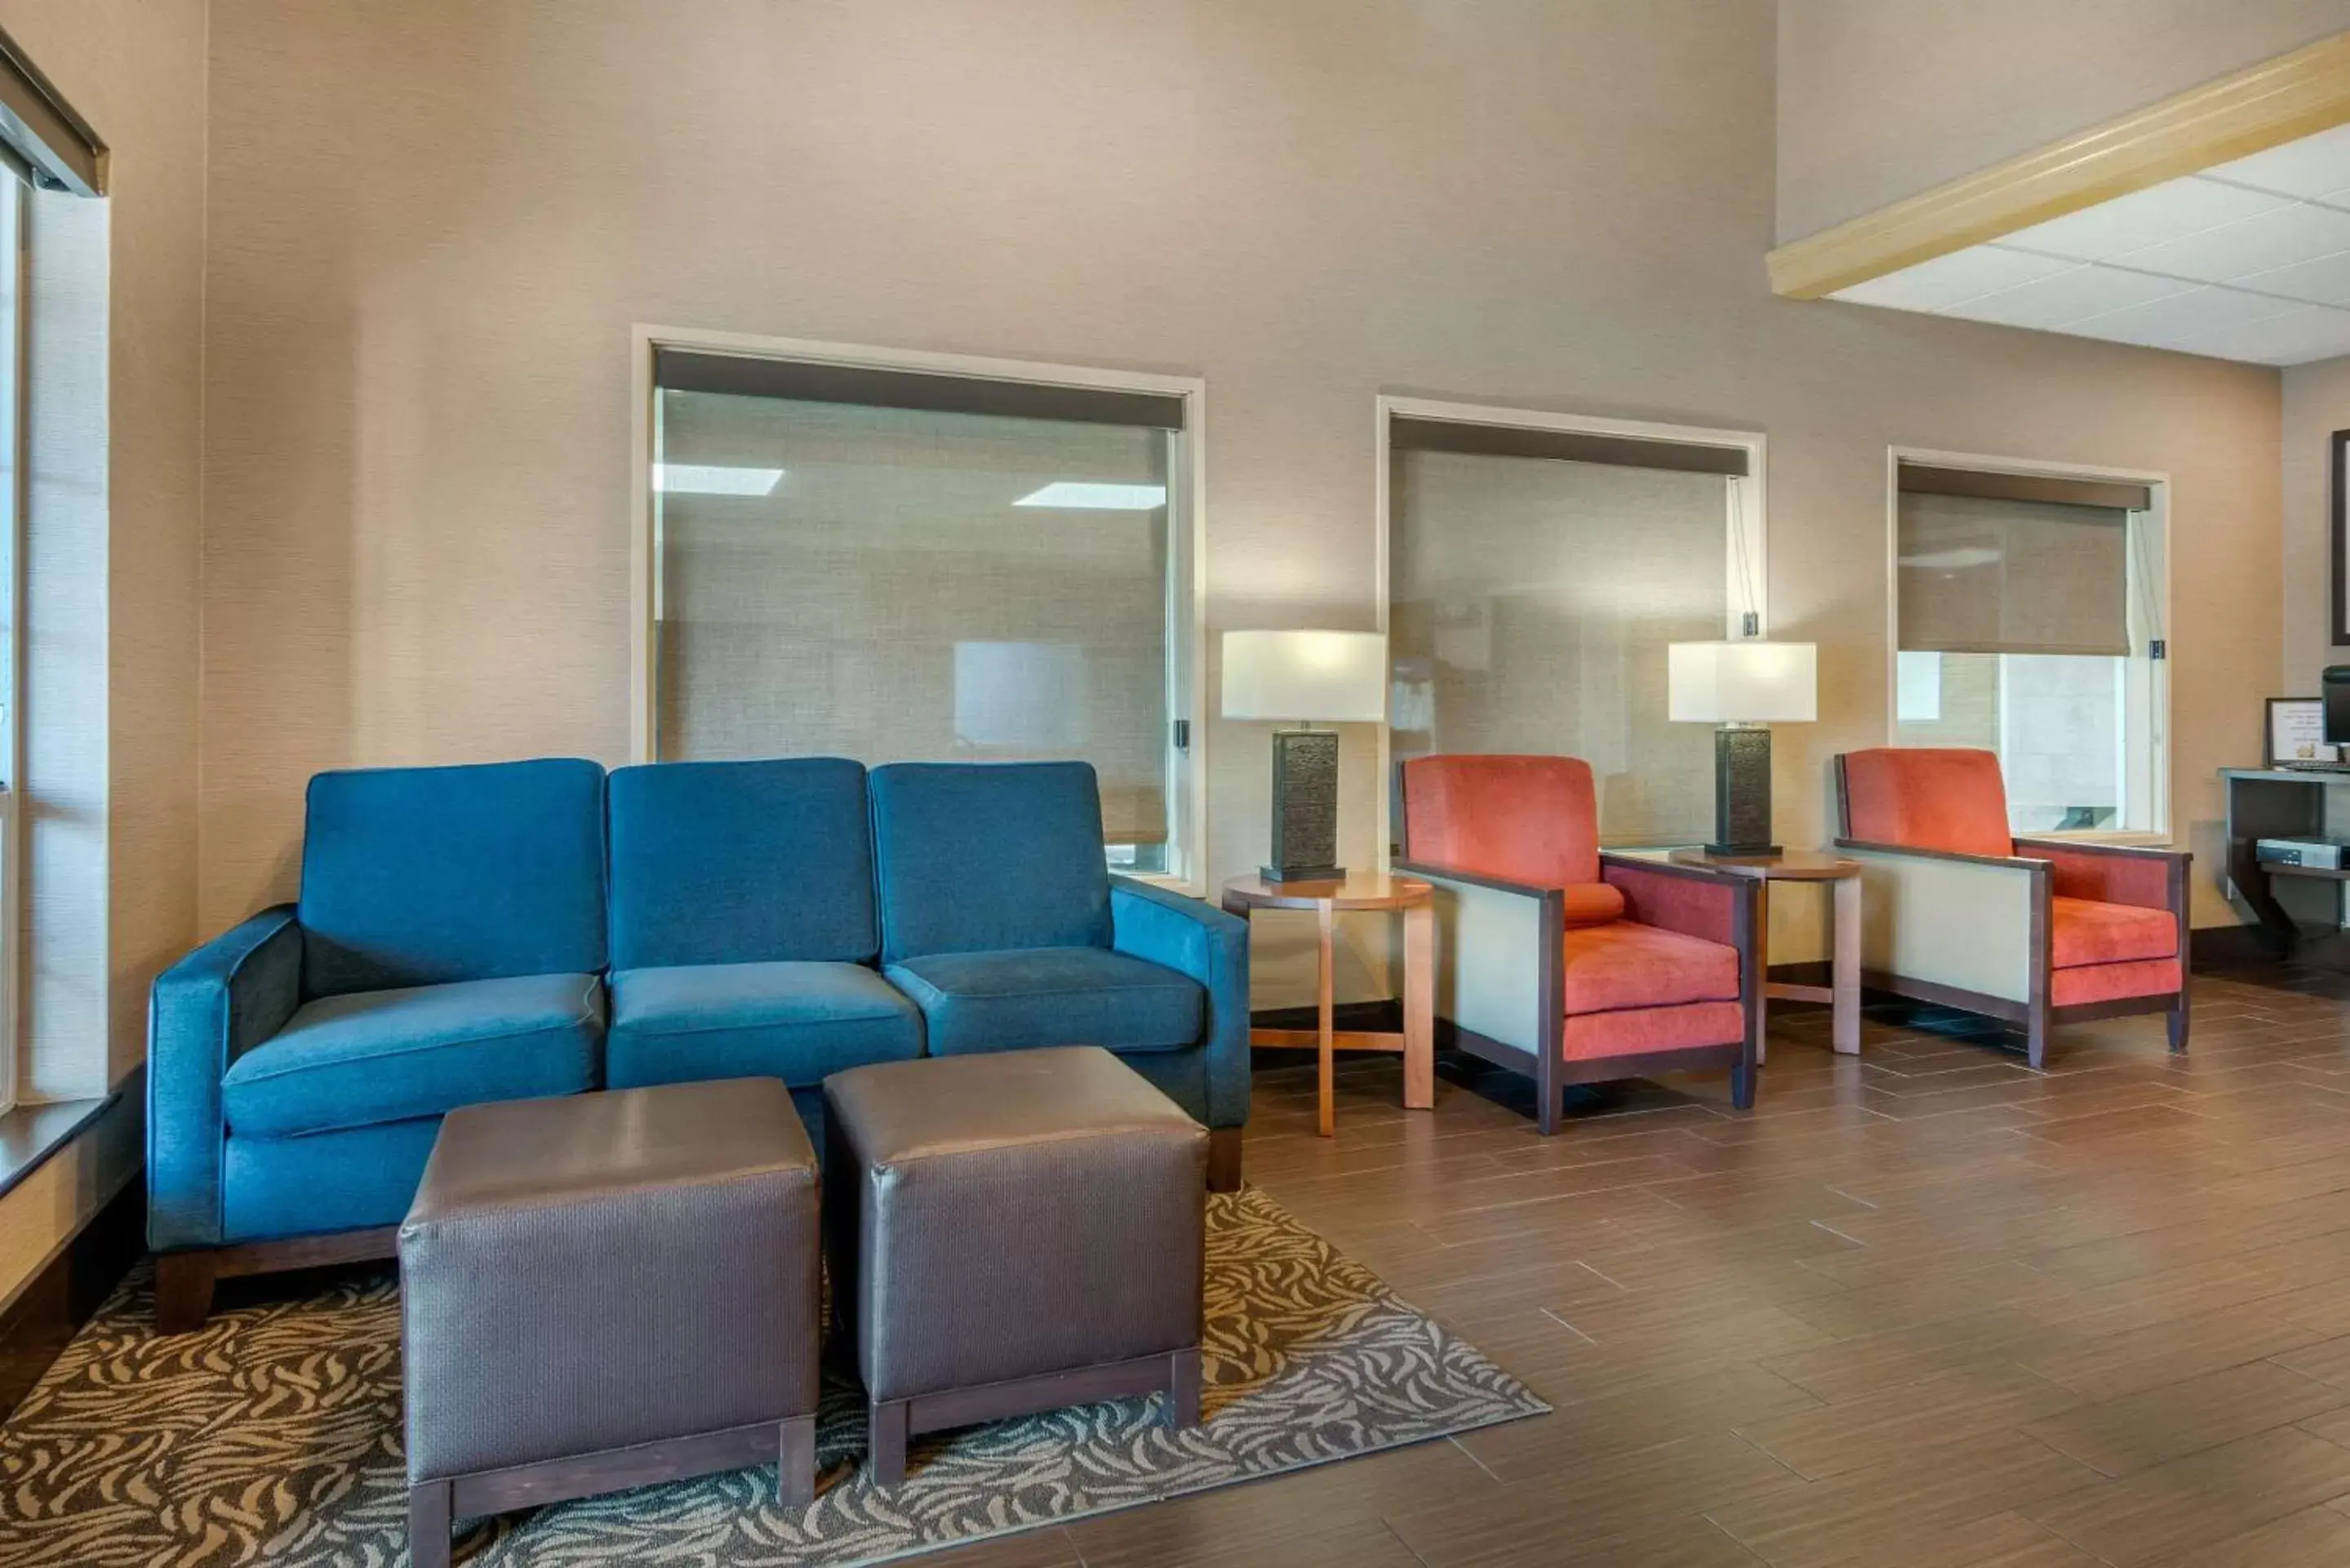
x: 540, y: 928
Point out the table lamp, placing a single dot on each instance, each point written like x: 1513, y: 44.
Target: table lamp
x: 1744, y: 687
x: 1337, y: 677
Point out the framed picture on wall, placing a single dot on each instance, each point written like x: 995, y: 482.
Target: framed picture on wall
x: 2297, y: 733
x: 2337, y: 455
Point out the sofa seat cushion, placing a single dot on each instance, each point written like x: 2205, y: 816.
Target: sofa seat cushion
x: 1017, y: 998
x: 2083, y: 931
x: 1622, y: 964
x: 799, y: 1022
x: 372, y: 1056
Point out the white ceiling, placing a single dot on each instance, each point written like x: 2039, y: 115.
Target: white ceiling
x: 2248, y: 261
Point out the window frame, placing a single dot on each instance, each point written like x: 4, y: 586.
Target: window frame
x: 16, y: 402
x: 2158, y: 522
x: 1187, y: 812
x: 1745, y: 521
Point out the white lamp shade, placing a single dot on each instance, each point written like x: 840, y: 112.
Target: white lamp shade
x: 1337, y: 677
x: 1748, y: 682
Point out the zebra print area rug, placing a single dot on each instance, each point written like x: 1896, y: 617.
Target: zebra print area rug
x: 273, y: 1435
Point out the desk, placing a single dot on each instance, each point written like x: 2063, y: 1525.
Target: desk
x: 2283, y: 802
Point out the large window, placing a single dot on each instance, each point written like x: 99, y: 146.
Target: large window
x: 16, y: 197
x: 893, y: 564
x: 2028, y: 621
x: 1537, y: 568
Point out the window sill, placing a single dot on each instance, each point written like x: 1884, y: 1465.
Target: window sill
x: 29, y: 1135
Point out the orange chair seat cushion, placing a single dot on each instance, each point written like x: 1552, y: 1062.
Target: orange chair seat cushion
x: 1643, y: 1031
x: 2113, y: 981
x: 1621, y: 965
x: 1594, y: 903
x: 2083, y: 931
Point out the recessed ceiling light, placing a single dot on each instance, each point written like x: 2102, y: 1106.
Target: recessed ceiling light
x: 1071, y: 494
x: 701, y: 479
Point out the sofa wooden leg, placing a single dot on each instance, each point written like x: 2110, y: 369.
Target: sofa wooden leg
x: 796, y: 1462
x: 429, y: 1510
x: 1224, y: 1160
x: 2177, y: 1022
x: 183, y: 1290
x: 1183, y: 1389
x: 886, y: 1423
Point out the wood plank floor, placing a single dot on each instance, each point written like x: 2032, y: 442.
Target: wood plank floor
x: 1926, y: 1308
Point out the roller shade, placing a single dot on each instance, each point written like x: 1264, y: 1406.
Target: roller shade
x: 1982, y: 574
x: 1407, y: 434
x: 803, y: 381
x: 56, y: 146
x: 1926, y: 480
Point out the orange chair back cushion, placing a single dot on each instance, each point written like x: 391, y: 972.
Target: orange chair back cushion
x: 1924, y: 797
x: 1528, y: 819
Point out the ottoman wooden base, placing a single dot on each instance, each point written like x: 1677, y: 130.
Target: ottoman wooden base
x: 892, y: 1422
x: 434, y: 1506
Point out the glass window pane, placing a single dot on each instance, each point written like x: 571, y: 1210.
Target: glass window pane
x: 894, y: 584
x: 1532, y: 603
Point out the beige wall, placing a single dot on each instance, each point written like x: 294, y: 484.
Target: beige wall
x: 1880, y: 99
x: 433, y: 223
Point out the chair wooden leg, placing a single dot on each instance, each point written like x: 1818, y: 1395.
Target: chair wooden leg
x: 183, y: 1290
x: 1183, y: 1389
x: 428, y: 1525
x: 1741, y: 1080
x: 2179, y: 1023
x: 886, y: 1440
x: 2035, y: 1038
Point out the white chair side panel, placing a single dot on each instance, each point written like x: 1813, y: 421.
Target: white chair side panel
x: 1488, y: 962
x: 1952, y: 922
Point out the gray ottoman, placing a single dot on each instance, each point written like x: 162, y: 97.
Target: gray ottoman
x: 607, y: 1291
x: 1011, y: 1233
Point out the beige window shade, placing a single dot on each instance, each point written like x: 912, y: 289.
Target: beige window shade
x: 1997, y: 574
x: 1531, y: 601
x: 888, y: 600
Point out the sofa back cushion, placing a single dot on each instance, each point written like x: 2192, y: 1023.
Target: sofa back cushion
x: 424, y: 876
x: 764, y: 862
x: 975, y: 856
x: 1927, y: 798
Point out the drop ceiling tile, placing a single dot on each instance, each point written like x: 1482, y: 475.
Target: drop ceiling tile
x: 2324, y: 281
x: 2068, y: 296
x: 2313, y: 167
x: 1953, y: 279
x: 2316, y: 332
x: 2274, y: 239
x: 2162, y: 323
x: 2170, y: 211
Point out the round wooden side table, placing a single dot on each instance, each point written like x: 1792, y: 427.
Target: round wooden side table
x: 1243, y: 895
x: 1843, y: 992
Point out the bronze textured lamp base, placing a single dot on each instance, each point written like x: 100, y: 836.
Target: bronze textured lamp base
x: 1741, y: 793
x: 1305, y: 807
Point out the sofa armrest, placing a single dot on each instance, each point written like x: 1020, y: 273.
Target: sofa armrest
x: 1198, y: 940
x: 1501, y: 961
x: 2143, y: 876
x: 1968, y: 922
x: 205, y: 1010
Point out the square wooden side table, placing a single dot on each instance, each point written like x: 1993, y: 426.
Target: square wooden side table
x: 1416, y: 901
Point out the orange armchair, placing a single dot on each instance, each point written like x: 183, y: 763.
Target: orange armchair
x: 1566, y: 964
x: 2033, y: 932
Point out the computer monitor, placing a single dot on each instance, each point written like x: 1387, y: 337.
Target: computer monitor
x: 2336, y: 685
